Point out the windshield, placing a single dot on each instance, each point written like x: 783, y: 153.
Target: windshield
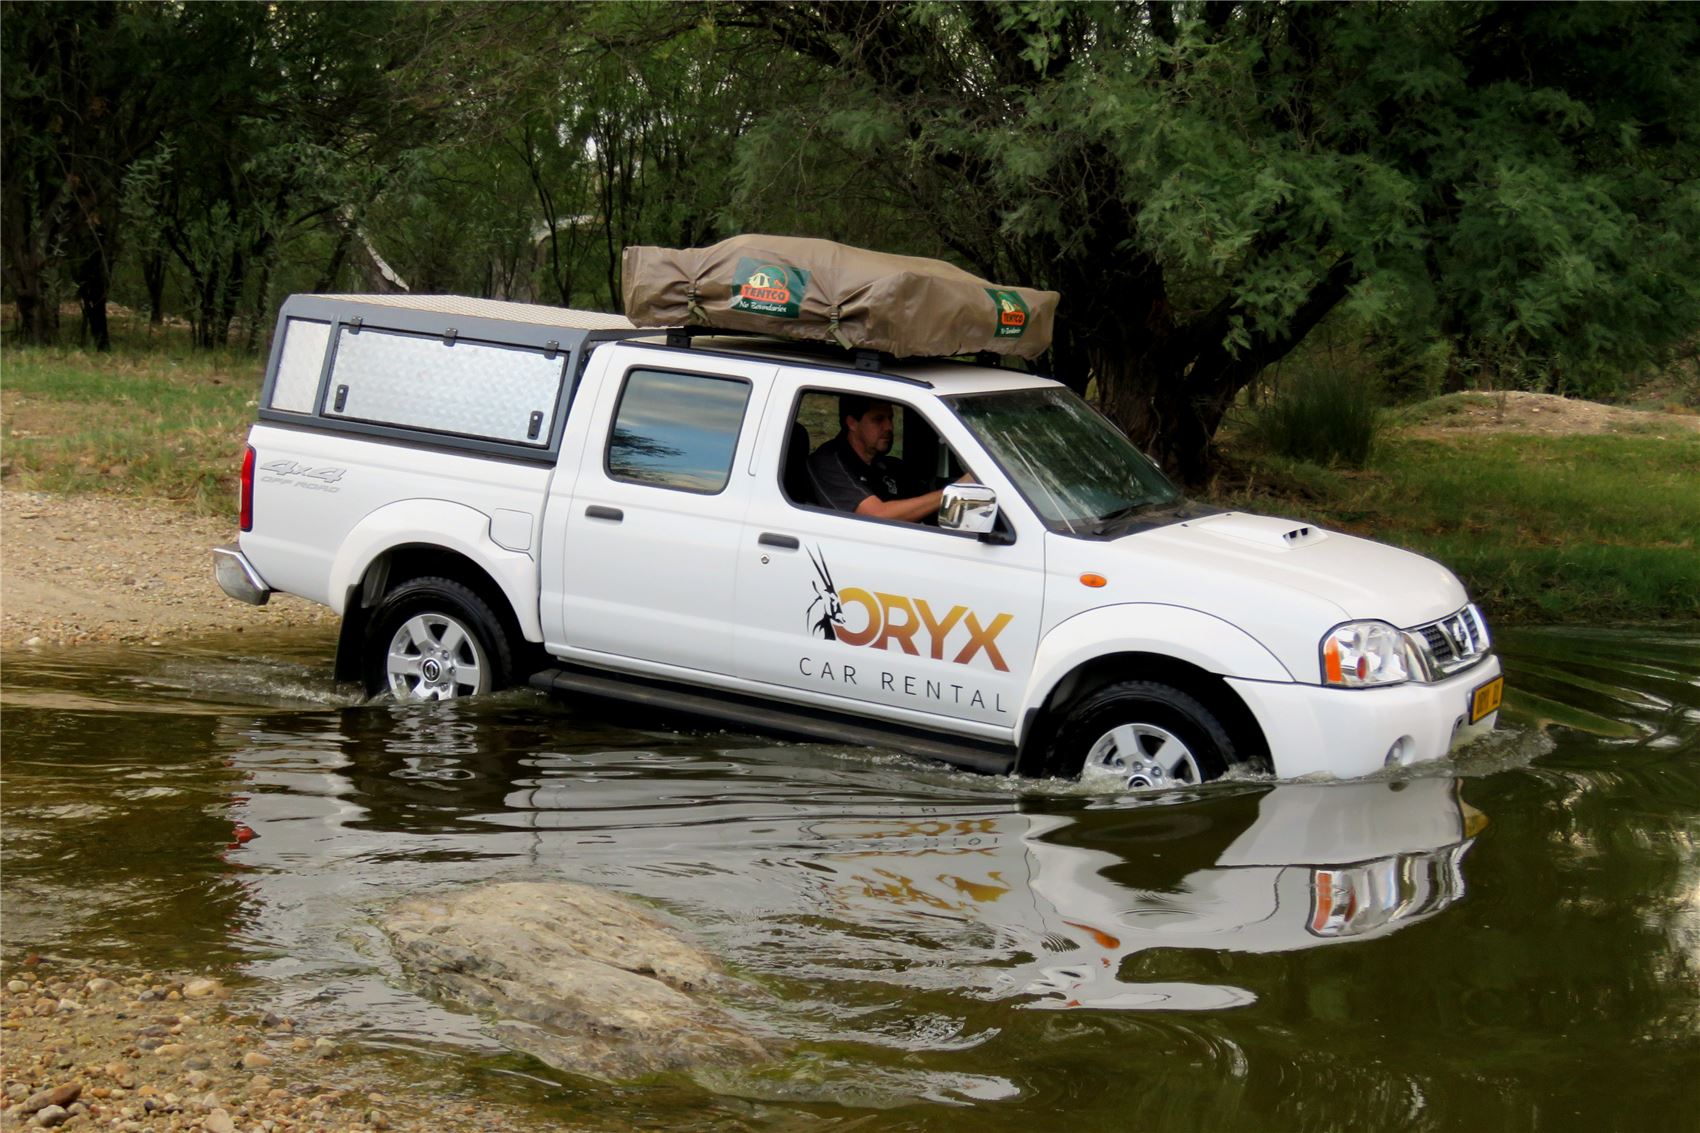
x: 1076, y: 469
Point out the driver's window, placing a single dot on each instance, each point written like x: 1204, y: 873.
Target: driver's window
x: 817, y: 412
x: 917, y: 458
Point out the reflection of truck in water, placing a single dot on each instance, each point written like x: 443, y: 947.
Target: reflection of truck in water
x: 1318, y: 864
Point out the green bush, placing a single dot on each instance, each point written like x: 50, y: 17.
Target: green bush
x: 1326, y: 415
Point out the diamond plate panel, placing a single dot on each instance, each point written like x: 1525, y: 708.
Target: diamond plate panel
x: 299, y: 365
x: 470, y: 388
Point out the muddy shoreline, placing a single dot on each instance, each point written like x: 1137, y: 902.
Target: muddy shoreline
x: 92, y: 1047
x: 96, y: 568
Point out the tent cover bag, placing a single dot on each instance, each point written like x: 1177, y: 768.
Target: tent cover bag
x: 819, y: 291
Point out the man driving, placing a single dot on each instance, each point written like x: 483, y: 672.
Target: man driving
x: 854, y: 472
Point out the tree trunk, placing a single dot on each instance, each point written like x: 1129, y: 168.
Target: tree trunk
x: 230, y: 296
x: 339, y: 254
x: 257, y: 321
x: 1169, y: 386
x: 1171, y: 404
x: 38, y: 319
x: 28, y: 279
x: 206, y: 307
x: 92, y: 289
x: 153, y: 278
x: 1188, y: 411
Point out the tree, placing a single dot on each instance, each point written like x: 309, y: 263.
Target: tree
x: 82, y: 100
x: 1204, y: 182
x: 289, y: 118
x: 619, y: 124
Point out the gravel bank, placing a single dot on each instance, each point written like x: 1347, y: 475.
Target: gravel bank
x: 87, y: 1048
x: 104, y: 568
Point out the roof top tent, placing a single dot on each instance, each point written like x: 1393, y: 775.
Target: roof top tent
x: 818, y: 291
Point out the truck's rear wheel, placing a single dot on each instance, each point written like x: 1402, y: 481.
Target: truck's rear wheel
x: 1147, y: 734
x: 434, y: 639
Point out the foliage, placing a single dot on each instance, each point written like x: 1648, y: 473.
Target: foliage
x: 1496, y: 193
x: 1205, y: 182
x: 618, y: 129
x: 1325, y: 414
x: 322, y: 106
x: 82, y: 100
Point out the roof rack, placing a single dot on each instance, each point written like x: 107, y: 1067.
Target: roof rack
x: 681, y: 336
x: 873, y: 361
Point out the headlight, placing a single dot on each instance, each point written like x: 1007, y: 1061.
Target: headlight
x: 1360, y: 654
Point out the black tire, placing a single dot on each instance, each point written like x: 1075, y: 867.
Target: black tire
x: 461, y: 646
x: 1134, y: 727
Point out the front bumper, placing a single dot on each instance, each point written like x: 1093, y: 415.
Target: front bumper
x: 1349, y: 732
x: 237, y: 576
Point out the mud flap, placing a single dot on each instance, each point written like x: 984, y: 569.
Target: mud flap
x: 351, y: 642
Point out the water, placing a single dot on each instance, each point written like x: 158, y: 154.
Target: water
x: 1509, y: 940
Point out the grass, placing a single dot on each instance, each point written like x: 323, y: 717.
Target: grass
x: 1327, y: 415
x: 1540, y: 529
x: 157, y: 422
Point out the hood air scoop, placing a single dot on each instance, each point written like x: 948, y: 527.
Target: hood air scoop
x: 1264, y: 531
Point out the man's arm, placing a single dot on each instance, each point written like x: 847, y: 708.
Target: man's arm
x: 910, y: 510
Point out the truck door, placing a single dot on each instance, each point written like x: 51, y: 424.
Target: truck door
x: 644, y: 563
x: 900, y: 620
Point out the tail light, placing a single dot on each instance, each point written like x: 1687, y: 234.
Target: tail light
x: 246, y: 512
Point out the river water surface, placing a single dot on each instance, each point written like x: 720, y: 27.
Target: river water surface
x: 1507, y: 940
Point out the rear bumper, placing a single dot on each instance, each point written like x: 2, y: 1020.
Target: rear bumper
x: 1349, y: 732
x: 237, y: 576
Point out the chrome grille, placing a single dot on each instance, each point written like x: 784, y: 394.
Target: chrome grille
x: 1451, y: 644
x: 1437, y: 641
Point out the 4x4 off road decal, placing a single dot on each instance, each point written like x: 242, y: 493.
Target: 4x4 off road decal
x: 1012, y: 313
x: 887, y: 619
x: 766, y: 288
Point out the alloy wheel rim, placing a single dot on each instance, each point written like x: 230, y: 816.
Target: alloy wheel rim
x: 1144, y: 757
x: 435, y: 657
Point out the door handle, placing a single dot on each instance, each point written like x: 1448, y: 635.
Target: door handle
x: 769, y: 539
x: 597, y: 511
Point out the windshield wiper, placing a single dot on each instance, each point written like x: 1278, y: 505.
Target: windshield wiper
x: 1114, y: 519
x: 1160, y: 512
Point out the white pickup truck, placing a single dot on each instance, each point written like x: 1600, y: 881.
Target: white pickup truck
x: 493, y: 492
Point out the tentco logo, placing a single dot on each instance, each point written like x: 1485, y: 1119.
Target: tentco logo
x: 884, y: 619
x: 766, y: 288
x: 1012, y: 313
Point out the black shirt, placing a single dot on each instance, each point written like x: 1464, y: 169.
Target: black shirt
x: 842, y: 479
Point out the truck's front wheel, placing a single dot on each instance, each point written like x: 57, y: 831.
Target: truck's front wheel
x: 434, y: 639
x: 1146, y: 734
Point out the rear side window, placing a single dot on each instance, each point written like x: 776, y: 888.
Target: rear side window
x: 485, y: 390
x: 677, y: 431
x: 300, y: 362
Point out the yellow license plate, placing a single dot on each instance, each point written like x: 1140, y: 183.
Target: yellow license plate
x: 1486, y: 698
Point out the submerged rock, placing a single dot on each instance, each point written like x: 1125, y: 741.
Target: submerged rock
x: 588, y: 982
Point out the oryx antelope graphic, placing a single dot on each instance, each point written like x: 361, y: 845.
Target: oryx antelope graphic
x: 826, y: 598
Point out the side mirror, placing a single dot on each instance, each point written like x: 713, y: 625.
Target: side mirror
x: 972, y: 508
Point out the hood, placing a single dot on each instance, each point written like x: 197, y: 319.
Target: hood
x: 1283, y: 582
x: 1363, y: 578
